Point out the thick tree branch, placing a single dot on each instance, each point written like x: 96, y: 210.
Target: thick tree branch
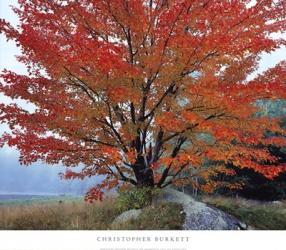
x: 175, y: 175
x: 171, y: 89
x: 124, y: 178
x: 175, y: 152
x: 192, y: 127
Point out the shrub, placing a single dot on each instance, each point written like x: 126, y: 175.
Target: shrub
x: 135, y: 198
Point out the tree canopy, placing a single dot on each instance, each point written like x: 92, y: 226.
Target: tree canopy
x: 131, y: 89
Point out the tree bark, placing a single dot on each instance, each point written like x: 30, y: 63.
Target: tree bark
x: 143, y: 174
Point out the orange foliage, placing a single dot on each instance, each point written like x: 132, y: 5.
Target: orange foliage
x: 142, y: 91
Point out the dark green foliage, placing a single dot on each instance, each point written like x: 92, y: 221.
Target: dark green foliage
x: 256, y: 186
x: 135, y: 198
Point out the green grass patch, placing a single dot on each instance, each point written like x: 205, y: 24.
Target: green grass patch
x: 259, y: 215
x: 165, y: 216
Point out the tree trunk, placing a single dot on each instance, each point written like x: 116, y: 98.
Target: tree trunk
x: 143, y: 174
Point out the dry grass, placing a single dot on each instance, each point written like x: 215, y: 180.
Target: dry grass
x: 72, y: 215
x: 259, y: 215
x: 78, y: 215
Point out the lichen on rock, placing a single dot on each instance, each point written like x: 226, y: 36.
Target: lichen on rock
x: 200, y: 216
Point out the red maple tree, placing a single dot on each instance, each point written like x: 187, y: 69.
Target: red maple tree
x: 144, y: 91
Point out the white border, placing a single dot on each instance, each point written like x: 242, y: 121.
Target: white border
x: 142, y: 240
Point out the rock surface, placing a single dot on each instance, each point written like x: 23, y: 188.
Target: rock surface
x: 277, y: 203
x: 127, y: 215
x: 200, y: 216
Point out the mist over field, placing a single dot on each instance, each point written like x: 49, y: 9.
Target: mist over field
x: 35, y: 179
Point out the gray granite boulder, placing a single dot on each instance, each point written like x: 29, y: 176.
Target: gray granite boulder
x: 127, y: 215
x: 200, y: 216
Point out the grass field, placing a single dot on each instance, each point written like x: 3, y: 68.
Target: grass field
x: 55, y: 215
x: 20, y: 199
x: 72, y: 213
x: 78, y: 215
x: 258, y: 215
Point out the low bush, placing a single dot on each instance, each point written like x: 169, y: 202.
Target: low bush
x: 135, y: 198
